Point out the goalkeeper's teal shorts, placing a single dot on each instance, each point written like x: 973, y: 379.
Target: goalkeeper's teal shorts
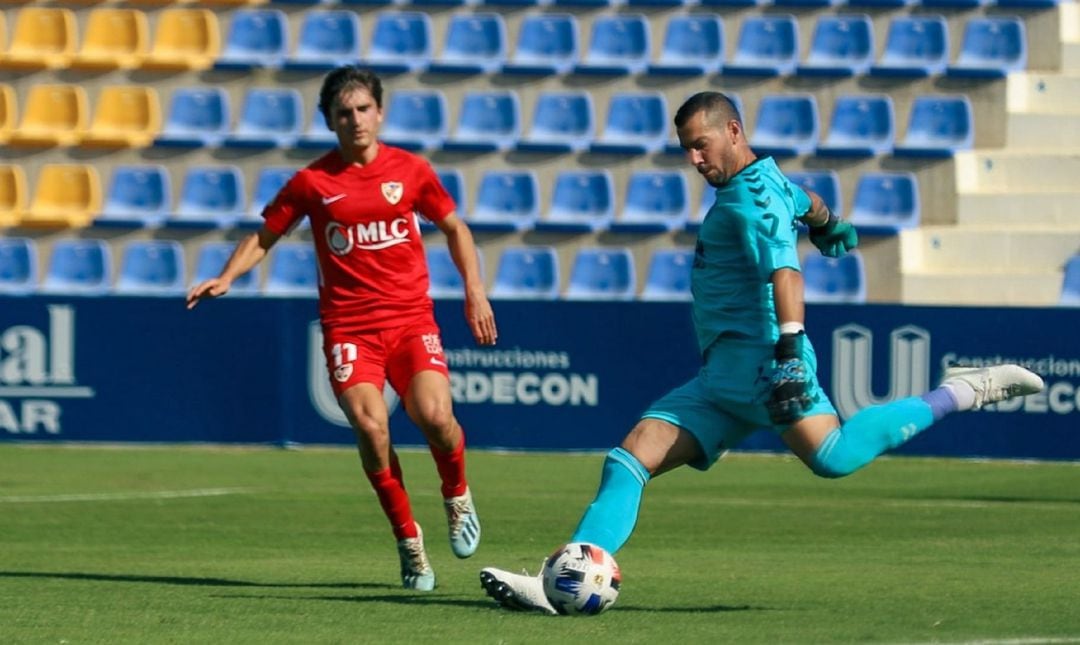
x: 725, y: 402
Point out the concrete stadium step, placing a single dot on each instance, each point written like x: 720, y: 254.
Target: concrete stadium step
x: 1019, y: 210
x: 987, y: 250
x: 1007, y: 171
x: 1070, y: 57
x: 988, y: 289
x: 1046, y: 132
x: 1043, y: 93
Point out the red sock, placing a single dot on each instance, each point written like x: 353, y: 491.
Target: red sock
x: 451, y: 467
x: 395, y: 469
x: 395, y: 503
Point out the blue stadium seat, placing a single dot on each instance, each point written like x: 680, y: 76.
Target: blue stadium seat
x: 861, y: 125
x: 842, y: 45
x: 938, y: 126
x: 506, y: 200
x: 211, y: 197
x: 444, y: 279
x: 826, y: 183
x: 657, y: 201
x: 618, y: 45
x: 669, y: 275
x: 915, y: 46
x: 487, y: 122
x: 198, y: 116
x: 269, y: 118
x: 1070, y: 283
x: 415, y: 119
x: 768, y: 45
x: 953, y: 5
x: 786, y: 125
x: 693, y: 46
x: 735, y: 3
x: 267, y: 184
x: 292, y: 271
x: 475, y: 44
x: 79, y: 267
x: 400, y: 43
x: 602, y: 274
x: 137, y: 196
x: 637, y: 123
x: 991, y: 48
x: 834, y: 280
x: 454, y: 184
x: 18, y: 266
x: 328, y: 39
x: 562, y: 122
x: 527, y: 273
x: 546, y: 44
x: 316, y: 136
x: 211, y: 259
x: 256, y: 38
x: 151, y: 268
x: 885, y: 203
x: 582, y: 201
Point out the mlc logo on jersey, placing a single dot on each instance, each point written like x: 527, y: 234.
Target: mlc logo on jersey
x: 852, y: 370
x: 342, y: 239
x: 392, y: 191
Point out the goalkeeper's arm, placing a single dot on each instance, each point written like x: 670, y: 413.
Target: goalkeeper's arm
x: 830, y: 234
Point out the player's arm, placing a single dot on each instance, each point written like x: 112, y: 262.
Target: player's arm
x: 788, y: 399
x: 462, y: 247
x: 248, y: 252
x: 830, y: 234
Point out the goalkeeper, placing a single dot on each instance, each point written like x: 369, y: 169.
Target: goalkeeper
x: 758, y: 366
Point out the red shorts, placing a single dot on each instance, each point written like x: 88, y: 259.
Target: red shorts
x: 398, y: 354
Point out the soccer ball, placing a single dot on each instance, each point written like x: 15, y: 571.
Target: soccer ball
x: 581, y: 579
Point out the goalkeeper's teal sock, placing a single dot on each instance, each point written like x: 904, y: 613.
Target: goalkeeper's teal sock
x: 610, y: 519
x: 869, y: 433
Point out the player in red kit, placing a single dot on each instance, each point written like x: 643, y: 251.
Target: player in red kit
x: 377, y: 319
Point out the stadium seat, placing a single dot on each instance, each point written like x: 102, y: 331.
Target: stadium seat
x: 768, y: 45
x: 271, y: 117
x: 78, y: 267
x: 151, y: 268
x: 602, y: 274
x: 42, y: 38
x: 637, y: 123
x: 991, y: 48
x: 53, y: 115
x: 185, y: 39
x: 1070, y: 283
x: 454, y: 183
x: 18, y: 266
x: 618, y: 45
x: 115, y: 39
x: 786, y: 125
x: 8, y: 112
x: 669, y: 275
x: 137, y: 196
x: 125, y: 116
x: 487, y: 122
x: 834, y: 280
x: 527, y: 273
x: 400, y: 43
x: 582, y: 201
x: 65, y: 195
x: 268, y: 183
x: 317, y: 136
x: 211, y: 259
x: 693, y: 46
x: 293, y: 271
x: 328, y: 39
x: 915, y: 46
x: 842, y: 45
x: 256, y: 38
x: 562, y: 122
x: 415, y: 119
x: 506, y: 200
x: 860, y: 126
x: 938, y: 126
x: 198, y: 116
x: 13, y: 194
x: 826, y: 183
x: 211, y: 197
x: 657, y: 201
x: 444, y: 279
x: 475, y: 44
x: 546, y: 44
x: 885, y: 203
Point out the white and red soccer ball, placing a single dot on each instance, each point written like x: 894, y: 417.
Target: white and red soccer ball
x: 581, y: 579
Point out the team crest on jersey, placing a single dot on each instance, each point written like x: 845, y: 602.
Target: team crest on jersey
x: 392, y: 191
x: 343, y: 372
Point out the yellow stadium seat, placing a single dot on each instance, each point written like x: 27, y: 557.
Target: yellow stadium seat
x: 125, y: 116
x: 185, y: 39
x: 54, y: 115
x: 114, y: 39
x: 65, y: 195
x: 12, y: 194
x: 43, y: 38
x: 7, y: 112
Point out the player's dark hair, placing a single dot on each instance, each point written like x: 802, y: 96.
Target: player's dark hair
x: 347, y: 77
x: 718, y: 109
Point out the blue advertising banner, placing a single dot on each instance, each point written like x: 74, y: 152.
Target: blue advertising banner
x: 564, y: 376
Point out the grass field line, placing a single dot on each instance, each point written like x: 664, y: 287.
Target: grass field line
x: 1032, y: 640
x: 133, y: 495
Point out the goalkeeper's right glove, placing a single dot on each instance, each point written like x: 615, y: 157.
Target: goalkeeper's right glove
x: 788, y: 400
x: 835, y: 237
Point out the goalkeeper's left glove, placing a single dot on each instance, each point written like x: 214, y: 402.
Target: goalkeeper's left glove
x: 835, y: 237
x: 788, y: 400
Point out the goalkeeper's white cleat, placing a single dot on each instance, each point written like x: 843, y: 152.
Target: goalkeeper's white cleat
x: 516, y: 591
x: 416, y: 571
x: 994, y: 383
x: 464, y: 524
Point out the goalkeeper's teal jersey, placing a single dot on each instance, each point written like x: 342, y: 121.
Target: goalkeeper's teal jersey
x: 747, y: 235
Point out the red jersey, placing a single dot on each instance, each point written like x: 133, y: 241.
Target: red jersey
x: 372, y: 270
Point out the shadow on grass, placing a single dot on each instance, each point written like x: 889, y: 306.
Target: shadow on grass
x: 192, y: 581
x: 402, y: 599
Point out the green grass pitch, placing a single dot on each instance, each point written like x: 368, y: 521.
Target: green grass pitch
x: 227, y: 545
